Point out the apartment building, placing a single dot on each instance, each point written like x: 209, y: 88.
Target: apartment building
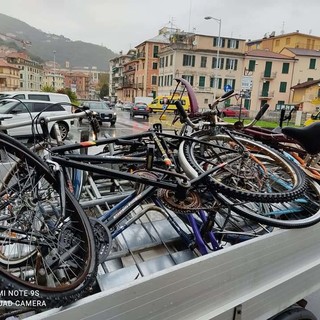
x: 306, y: 95
x: 53, y: 78
x: 136, y: 73
x: 9, y: 76
x: 276, y: 43
x: 31, y: 72
x: 78, y: 82
x: 263, y: 73
x: 271, y: 75
x: 122, y: 75
x: 194, y: 58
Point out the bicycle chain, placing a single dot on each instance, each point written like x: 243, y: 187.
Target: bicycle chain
x: 191, y: 203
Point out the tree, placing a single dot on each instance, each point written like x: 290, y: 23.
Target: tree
x: 72, y: 95
x: 104, y: 91
x: 48, y: 88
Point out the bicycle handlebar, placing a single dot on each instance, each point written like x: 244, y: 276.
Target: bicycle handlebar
x: 46, y: 119
x: 262, y: 111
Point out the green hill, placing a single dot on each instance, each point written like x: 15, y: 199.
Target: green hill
x: 79, y: 54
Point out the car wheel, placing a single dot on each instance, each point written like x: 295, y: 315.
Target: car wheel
x: 64, y: 130
x: 112, y: 123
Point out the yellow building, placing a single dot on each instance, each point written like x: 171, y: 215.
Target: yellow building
x: 290, y: 40
x: 9, y: 76
x: 307, y: 95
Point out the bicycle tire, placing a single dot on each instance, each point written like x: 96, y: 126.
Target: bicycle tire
x: 295, y: 214
x: 263, y: 175
x: 45, y: 250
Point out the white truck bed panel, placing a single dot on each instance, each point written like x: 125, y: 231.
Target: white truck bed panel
x: 261, y: 277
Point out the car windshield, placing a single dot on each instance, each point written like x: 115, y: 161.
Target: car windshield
x: 97, y: 105
x: 4, y: 95
x: 6, y: 105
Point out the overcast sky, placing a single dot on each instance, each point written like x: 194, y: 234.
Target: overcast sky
x: 123, y: 24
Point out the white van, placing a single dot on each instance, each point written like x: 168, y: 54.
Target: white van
x: 14, y: 111
x: 36, y: 95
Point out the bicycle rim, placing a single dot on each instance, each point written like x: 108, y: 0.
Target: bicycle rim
x: 261, y: 174
x: 44, y: 248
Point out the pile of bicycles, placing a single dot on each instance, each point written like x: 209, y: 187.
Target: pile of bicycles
x: 219, y: 180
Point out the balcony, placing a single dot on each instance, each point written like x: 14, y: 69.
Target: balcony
x: 138, y: 85
x: 128, y: 84
x: 270, y: 76
x: 266, y: 95
x: 138, y: 56
x: 201, y: 89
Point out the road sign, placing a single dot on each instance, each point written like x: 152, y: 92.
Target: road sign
x: 227, y: 88
x: 246, y: 83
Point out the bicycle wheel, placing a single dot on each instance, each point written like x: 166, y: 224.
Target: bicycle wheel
x: 299, y: 213
x: 47, y: 252
x: 255, y: 172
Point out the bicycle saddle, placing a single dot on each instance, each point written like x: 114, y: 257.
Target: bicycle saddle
x: 307, y: 136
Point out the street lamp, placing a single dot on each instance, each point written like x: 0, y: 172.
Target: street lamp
x: 54, y: 69
x: 218, y: 52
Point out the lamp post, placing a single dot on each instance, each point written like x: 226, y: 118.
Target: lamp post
x: 54, y: 69
x: 218, y: 53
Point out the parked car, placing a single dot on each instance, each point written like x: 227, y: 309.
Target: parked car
x: 35, y: 95
x: 233, y: 111
x: 140, y: 109
x: 127, y: 106
x: 104, y: 112
x: 25, y: 110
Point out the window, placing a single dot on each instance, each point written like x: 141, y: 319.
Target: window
x: 252, y: 65
x: 155, y: 51
x: 188, y: 78
x: 233, y: 43
x: 19, y: 96
x: 312, y: 64
x: 166, y: 63
x: 217, y: 65
x: 216, y: 42
x: 218, y: 82
x: 154, y: 65
x: 285, y: 67
x: 161, y: 62
x: 283, y: 87
x: 188, y: 60
x: 231, y: 64
x: 43, y: 97
x: 171, y: 59
x: 154, y: 80
x: 202, y: 81
x: 230, y: 82
x: 277, y: 43
x: 287, y: 40
x: 203, y: 62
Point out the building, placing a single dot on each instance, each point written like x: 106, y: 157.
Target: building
x: 136, y: 74
x: 78, y: 82
x: 31, y: 72
x: 290, y: 40
x: 307, y: 64
x: 9, y: 76
x: 306, y: 95
x: 119, y: 84
x: 271, y: 76
x: 194, y: 58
